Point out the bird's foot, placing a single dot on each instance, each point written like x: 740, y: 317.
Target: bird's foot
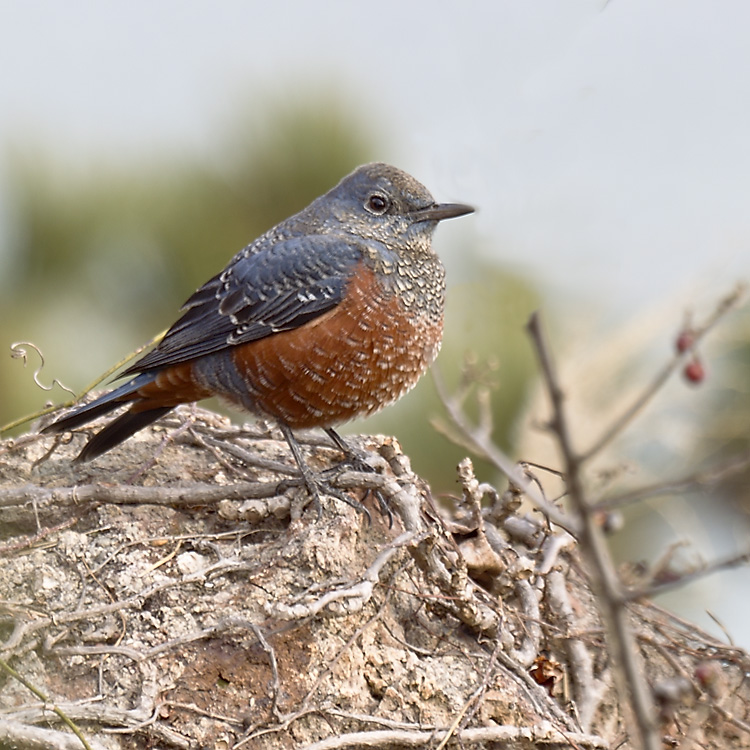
x: 359, y: 460
x: 317, y: 486
x: 315, y: 483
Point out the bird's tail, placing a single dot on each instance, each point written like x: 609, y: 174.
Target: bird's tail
x: 102, y: 405
x: 120, y: 429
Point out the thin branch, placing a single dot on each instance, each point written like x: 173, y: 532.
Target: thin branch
x: 18, y: 351
x: 14, y: 734
x: 589, y: 691
x: 605, y: 582
x: 482, y: 444
x: 709, y: 476
x: 357, y: 594
x: 742, y: 558
x: 183, y: 496
x: 726, y: 305
x: 529, y: 606
x: 45, y: 699
x: 471, y: 704
x: 538, y: 736
x: 116, y: 721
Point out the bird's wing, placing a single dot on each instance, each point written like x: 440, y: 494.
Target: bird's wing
x: 278, y: 288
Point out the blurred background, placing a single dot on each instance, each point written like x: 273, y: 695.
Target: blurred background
x: 605, y: 145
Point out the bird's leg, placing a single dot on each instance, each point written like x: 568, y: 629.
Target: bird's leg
x: 314, y: 483
x: 356, y: 459
x: 342, y: 445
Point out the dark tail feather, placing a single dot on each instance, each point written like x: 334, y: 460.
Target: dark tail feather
x: 102, y: 405
x: 118, y: 430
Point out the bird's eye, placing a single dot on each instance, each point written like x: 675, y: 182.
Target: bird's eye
x: 377, y: 204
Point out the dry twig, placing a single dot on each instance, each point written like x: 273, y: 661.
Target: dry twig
x: 605, y: 581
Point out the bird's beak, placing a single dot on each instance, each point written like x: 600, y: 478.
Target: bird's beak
x: 440, y: 211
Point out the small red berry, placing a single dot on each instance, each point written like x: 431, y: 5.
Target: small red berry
x: 694, y: 371
x: 685, y: 340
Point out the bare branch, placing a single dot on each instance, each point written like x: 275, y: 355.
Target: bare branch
x: 707, y: 477
x: 80, y: 739
x: 678, y: 580
x: 725, y: 306
x: 589, y: 691
x: 605, y: 582
x: 14, y: 734
x: 538, y: 736
x: 356, y: 595
x: 481, y: 444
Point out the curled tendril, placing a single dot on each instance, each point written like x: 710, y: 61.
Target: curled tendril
x: 19, y: 350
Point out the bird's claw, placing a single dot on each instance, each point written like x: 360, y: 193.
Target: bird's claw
x: 316, y: 487
x: 357, y: 461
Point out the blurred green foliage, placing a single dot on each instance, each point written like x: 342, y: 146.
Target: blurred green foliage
x: 104, y: 255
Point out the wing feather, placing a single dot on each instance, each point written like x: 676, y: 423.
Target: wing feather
x: 261, y: 292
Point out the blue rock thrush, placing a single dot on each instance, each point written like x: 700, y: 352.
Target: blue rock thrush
x: 332, y: 314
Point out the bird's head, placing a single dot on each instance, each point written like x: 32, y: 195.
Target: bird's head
x: 385, y: 204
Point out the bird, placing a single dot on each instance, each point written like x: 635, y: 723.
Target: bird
x: 332, y: 314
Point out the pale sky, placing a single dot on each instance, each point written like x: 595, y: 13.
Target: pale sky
x: 605, y: 144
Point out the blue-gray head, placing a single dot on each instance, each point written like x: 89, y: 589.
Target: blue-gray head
x: 382, y: 203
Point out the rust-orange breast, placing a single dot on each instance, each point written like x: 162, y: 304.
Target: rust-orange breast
x: 349, y: 362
